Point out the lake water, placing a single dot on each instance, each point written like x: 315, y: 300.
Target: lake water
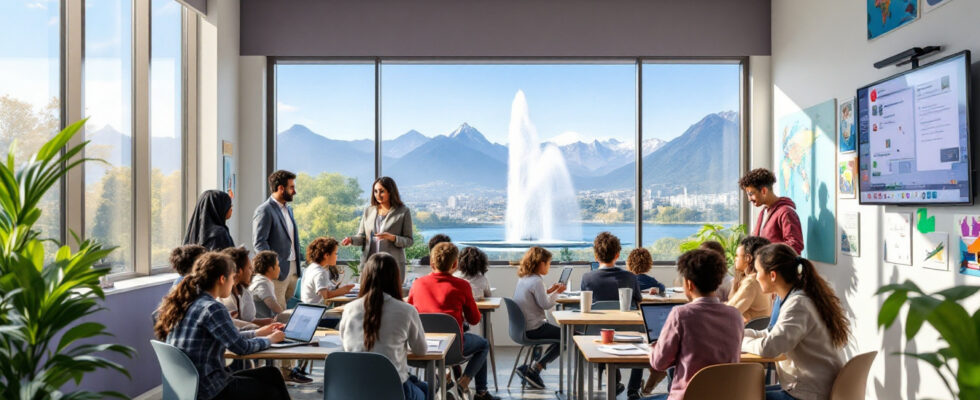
x: 625, y: 232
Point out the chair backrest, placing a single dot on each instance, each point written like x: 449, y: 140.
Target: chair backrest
x: 179, y: 375
x: 515, y: 321
x: 727, y: 381
x: 293, y: 301
x: 445, y: 323
x: 851, y: 381
x: 759, y: 324
x: 360, y: 376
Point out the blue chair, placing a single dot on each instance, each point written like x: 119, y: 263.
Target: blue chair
x: 360, y: 376
x: 293, y: 301
x: 518, y: 333
x: 179, y: 375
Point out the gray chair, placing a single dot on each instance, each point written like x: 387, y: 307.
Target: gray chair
x: 518, y: 333
x: 180, y: 377
x: 758, y: 324
x: 444, y: 323
x: 360, y: 376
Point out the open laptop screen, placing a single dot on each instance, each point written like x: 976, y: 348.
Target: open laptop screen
x: 654, y: 318
x: 302, y: 324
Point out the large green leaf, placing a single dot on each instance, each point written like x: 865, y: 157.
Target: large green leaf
x: 890, y: 308
x: 919, y: 309
x: 957, y: 293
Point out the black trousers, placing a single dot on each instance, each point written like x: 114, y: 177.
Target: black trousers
x: 263, y: 383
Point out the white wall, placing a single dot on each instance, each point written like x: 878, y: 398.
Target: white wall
x: 251, y: 142
x: 819, y: 52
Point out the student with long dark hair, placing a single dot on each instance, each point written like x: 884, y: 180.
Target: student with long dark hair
x: 746, y: 295
x: 207, y: 226
x: 811, y: 329
x: 380, y: 322
x: 192, y: 320
x: 241, y: 304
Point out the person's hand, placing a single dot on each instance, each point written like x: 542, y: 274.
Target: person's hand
x: 654, y: 290
x: 266, y: 330
x: 262, y: 321
x: 553, y: 288
x: 385, y: 236
x: 345, y: 242
x: 276, y: 337
x: 346, y: 288
x: 561, y: 288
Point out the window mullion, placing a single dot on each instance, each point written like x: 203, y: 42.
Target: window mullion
x: 142, y: 188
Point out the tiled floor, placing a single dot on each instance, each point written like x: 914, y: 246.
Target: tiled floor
x: 505, y: 359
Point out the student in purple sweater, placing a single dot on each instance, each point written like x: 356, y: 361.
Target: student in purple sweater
x: 701, y: 333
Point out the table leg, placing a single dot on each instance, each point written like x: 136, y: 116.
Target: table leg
x: 430, y: 379
x: 579, y: 375
x: 589, y: 366
x: 570, y: 348
x: 488, y: 335
x: 561, y: 360
x: 442, y: 373
x: 610, y: 381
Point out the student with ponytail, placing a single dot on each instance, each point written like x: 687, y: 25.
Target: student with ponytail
x: 811, y: 329
x: 191, y: 319
x: 380, y: 322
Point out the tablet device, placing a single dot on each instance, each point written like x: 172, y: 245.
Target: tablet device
x: 566, y: 273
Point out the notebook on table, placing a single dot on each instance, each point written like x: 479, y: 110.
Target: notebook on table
x: 301, y: 326
x: 654, y: 318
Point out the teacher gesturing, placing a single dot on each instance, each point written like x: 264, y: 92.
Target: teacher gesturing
x: 386, y: 225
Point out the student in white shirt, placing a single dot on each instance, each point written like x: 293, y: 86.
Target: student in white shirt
x: 473, y: 266
x: 380, y: 322
x: 322, y: 278
x: 241, y: 304
x: 811, y: 329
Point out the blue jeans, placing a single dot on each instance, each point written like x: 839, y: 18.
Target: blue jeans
x: 476, y: 368
x: 414, y: 388
x: 776, y: 392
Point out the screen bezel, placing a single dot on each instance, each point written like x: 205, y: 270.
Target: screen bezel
x: 969, y: 133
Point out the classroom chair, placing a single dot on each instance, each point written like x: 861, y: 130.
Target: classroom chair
x: 758, y: 324
x: 444, y: 323
x: 518, y: 333
x: 852, y: 378
x: 179, y: 375
x: 293, y: 301
x: 360, y: 376
x: 735, y: 381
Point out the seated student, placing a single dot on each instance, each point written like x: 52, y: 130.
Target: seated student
x: 267, y: 306
x: 605, y: 283
x: 240, y: 303
x: 182, y: 260
x: 700, y: 333
x: 534, y: 299
x: 473, y: 268
x: 193, y: 321
x: 726, y: 284
x: 746, y: 294
x: 321, y: 279
x: 639, y: 263
x: 380, y: 322
x: 811, y: 329
x: 441, y: 292
x: 433, y: 241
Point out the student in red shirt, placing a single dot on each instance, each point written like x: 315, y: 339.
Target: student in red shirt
x: 441, y: 292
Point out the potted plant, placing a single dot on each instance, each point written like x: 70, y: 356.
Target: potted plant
x: 728, y: 237
x: 957, y: 361
x: 41, y: 298
x: 355, y: 270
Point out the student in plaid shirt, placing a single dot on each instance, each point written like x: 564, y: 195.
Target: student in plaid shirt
x: 194, y: 321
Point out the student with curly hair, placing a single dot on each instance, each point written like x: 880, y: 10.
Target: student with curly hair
x: 182, y: 260
x: 473, y: 266
x: 533, y: 298
x: 778, y: 221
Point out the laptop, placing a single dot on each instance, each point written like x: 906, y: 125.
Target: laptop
x: 654, y: 317
x: 566, y: 273
x: 302, y: 325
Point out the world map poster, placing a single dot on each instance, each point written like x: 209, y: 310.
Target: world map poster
x: 886, y: 15
x: 806, y: 154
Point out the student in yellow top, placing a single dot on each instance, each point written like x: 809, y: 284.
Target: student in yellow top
x: 746, y: 294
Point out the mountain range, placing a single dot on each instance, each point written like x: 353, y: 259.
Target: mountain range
x: 465, y: 157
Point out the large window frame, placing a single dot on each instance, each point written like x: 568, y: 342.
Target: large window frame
x: 72, y: 94
x: 744, y: 111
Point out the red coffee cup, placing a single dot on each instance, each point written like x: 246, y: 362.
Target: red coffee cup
x: 607, y: 335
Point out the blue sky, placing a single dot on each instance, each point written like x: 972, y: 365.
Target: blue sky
x: 594, y: 100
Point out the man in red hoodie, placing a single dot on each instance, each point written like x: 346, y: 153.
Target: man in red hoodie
x: 778, y: 221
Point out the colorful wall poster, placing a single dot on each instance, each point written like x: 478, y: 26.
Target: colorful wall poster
x: 846, y: 167
x: 850, y: 234
x: 845, y: 126
x: 929, y: 5
x: 886, y: 15
x: 931, y: 247
x: 898, y: 238
x: 968, y: 227
x: 806, y: 155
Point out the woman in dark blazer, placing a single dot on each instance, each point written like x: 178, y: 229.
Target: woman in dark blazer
x: 386, y: 225
x: 207, y: 225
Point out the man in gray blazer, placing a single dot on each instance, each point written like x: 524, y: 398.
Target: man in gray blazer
x: 274, y: 228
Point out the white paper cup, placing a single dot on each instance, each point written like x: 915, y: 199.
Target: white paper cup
x: 625, y: 298
x: 585, y: 301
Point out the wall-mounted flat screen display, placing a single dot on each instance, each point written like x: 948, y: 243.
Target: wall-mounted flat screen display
x: 914, y: 136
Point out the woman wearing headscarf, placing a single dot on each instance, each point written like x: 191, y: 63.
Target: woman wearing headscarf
x: 207, y: 226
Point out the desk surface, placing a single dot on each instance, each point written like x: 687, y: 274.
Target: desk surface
x: 674, y: 298
x: 588, y: 345
x: 319, y: 353
x: 598, y: 317
x: 487, y: 304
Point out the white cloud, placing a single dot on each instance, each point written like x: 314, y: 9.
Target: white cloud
x: 38, y: 5
x: 283, y: 107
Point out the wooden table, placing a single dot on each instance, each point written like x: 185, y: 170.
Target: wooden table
x: 589, y: 353
x: 434, y: 361
x: 486, y: 306
x: 568, y: 320
x: 673, y: 298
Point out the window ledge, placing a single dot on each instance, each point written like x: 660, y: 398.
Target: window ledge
x: 128, y: 285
